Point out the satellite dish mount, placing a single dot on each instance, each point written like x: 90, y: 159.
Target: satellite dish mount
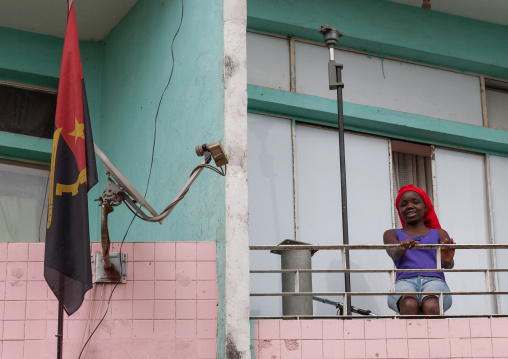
x: 110, y: 267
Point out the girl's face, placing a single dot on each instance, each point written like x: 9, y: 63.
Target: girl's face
x: 412, y: 207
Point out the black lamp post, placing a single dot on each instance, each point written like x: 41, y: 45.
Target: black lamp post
x: 331, y: 37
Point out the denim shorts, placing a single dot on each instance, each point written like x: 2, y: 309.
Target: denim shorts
x: 420, y: 284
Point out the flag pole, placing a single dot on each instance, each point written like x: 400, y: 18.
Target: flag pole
x: 67, y: 268
x: 60, y: 331
x: 331, y: 37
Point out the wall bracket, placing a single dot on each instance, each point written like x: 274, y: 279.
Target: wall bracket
x: 117, y: 273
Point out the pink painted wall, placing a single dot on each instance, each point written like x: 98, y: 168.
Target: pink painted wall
x: 382, y: 338
x: 167, y: 308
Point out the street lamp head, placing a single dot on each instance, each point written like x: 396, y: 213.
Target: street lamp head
x: 330, y: 35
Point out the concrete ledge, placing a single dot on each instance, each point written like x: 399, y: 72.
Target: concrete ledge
x: 378, y: 121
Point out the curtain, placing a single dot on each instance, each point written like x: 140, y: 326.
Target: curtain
x: 411, y: 169
x: 23, y: 203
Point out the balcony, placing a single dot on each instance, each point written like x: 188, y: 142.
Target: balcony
x: 455, y: 335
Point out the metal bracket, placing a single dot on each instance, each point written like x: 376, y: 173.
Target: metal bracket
x: 333, y: 84
x: 116, y: 274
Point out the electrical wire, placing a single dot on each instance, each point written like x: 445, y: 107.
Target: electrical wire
x: 88, y: 317
x: 170, y: 207
x: 221, y: 172
x: 129, y: 207
x: 96, y: 312
x: 112, y: 291
x: 160, y: 101
x: 43, y: 206
x: 165, y: 211
x: 148, y: 181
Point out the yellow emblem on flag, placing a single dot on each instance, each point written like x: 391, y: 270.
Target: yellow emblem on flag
x: 62, y: 188
x: 56, y: 137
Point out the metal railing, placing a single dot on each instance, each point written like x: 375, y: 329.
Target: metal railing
x: 491, y: 285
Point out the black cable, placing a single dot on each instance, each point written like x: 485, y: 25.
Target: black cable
x: 175, y: 202
x: 222, y: 173
x: 164, y: 212
x: 133, y: 211
x: 43, y: 206
x: 112, y: 291
x: 147, y: 183
x: 160, y: 101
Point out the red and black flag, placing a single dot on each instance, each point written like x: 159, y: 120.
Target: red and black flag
x: 67, y: 266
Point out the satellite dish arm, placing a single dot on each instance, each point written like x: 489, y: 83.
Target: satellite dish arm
x: 121, y: 187
x: 111, y: 198
x: 106, y: 208
x: 182, y: 192
x: 121, y: 190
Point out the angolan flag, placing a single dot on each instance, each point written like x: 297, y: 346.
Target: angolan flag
x: 67, y: 266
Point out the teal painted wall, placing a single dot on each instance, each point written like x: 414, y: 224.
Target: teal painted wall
x: 136, y: 69
x: 391, y: 29
x: 125, y: 76
x: 137, y: 66
x: 136, y: 62
x: 35, y: 59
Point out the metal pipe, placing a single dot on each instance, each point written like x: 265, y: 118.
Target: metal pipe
x: 331, y: 37
x: 106, y: 209
x: 343, y: 188
x: 395, y: 316
x: 367, y: 294
x: 389, y: 271
x: 59, y: 351
x: 285, y: 247
x: 294, y: 281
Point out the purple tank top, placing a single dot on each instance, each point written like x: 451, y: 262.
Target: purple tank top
x: 418, y: 258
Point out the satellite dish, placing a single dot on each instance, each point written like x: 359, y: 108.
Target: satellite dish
x: 120, y: 190
x: 123, y: 182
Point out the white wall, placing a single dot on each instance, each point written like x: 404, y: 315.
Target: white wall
x: 497, y: 109
x: 319, y: 207
x: 320, y: 214
x: 369, y: 80
x: 391, y: 84
x: 462, y: 206
x: 499, y: 174
x: 271, y: 214
x: 369, y: 215
x: 268, y: 61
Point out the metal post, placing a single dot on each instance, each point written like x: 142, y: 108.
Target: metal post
x: 331, y: 36
x: 60, y: 331
x: 295, y: 282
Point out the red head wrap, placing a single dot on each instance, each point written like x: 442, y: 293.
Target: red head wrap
x: 429, y: 218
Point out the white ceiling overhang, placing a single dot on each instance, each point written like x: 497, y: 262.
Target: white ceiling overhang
x: 95, y: 18
x: 495, y: 11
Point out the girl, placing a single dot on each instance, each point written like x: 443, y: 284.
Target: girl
x: 420, y: 226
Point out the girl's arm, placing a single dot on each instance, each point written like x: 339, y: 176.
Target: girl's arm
x: 447, y: 261
x: 389, y: 237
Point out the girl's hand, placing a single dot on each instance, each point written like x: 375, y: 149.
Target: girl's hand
x: 408, y: 243
x: 447, y: 254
